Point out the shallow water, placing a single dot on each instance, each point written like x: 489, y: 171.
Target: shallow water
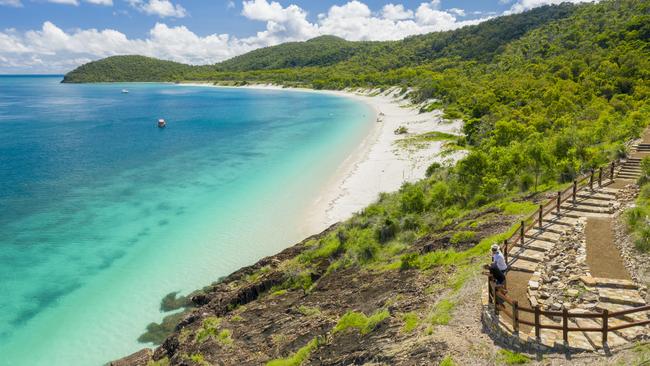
x: 103, y: 213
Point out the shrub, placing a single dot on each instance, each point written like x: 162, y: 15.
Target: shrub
x: 642, y: 241
x: 441, y: 313
x: 408, y: 261
x: 431, y: 169
x: 297, y: 358
x: 411, y: 321
x: 364, y: 324
x: 447, y: 361
x: 462, y: 237
x: 401, y: 130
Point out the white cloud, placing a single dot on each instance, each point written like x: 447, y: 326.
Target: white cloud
x: 396, y: 12
x: 459, y: 12
x: 101, y: 2
x: 52, y: 49
x: 161, y: 8
x: 12, y: 3
x: 230, y: 4
x: 523, y: 5
x: 65, y: 2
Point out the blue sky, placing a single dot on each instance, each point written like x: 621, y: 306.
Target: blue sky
x: 44, y: 36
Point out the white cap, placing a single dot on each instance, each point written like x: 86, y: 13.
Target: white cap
x: 495, y: 247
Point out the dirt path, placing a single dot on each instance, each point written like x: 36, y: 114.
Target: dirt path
x: 603, y: 257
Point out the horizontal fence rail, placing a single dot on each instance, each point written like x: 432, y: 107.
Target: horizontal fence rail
x: 503, y: 304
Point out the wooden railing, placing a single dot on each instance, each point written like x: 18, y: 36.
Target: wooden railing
x: 512, y: 309
x: 593, y: 177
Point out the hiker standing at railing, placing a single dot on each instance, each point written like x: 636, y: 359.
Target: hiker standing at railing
x: 498, y: 267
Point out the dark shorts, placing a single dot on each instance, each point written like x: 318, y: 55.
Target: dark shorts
x: 498, y: 275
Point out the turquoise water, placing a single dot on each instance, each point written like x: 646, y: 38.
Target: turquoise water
x: 103, y: 213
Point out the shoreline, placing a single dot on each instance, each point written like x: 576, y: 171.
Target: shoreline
x: 376, y: 165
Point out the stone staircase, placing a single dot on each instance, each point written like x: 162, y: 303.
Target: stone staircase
x: 526, y: 257
x: 631, y: 168
x: 612, y: 294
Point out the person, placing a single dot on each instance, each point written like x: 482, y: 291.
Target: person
x: 498, y: 267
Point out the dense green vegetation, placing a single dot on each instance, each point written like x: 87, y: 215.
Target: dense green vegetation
x: 638, y: 217
x: 545, y: 95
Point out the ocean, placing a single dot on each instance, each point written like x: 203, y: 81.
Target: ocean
x: 102, y: 213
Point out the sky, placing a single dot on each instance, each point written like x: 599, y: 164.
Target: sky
x: 55, y: 36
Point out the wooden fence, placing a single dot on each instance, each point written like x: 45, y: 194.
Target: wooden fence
x: 512, y: 309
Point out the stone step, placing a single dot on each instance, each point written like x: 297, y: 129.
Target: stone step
x: 632, y: 166
x: 549, y: 227
x: 633, y: 317
x: 631, y: 334
x: 539, y: 245
x: 620, y: 296
x: 627, y: 176
x: 585, y: 208
x: 562, y: 221
x: 526, y: 254
x: 629, y: 173
x: 523, y: 265
x: 592, y: 202
x: 607, y: 190
x: 596, y: 338
x: 543, y: 236
x: 615, y: 283
x: 597, y: 196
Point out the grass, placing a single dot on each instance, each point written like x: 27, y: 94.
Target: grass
x: 308, y: 310
x: 297, y: 358
x: 462, y: 237
x: 411, y: 321
x: 506, y: 357
x: 198, y: 359
x: 441, y: 314
x: 518, y: 208
x: 210, y: 330
x: 360, y: 321
x: 162, y: 362
x: 447, y: 361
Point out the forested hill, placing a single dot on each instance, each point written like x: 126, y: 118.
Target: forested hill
x: 479, y: 42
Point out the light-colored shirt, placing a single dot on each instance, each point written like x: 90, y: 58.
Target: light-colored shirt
x: 500, y: 261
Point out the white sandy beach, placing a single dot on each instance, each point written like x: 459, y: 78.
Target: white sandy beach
x: 378, y: 164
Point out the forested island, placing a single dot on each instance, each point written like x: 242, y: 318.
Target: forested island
x: 545, y: 96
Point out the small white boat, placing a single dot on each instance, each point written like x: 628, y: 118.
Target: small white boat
x: 162, y: 123
x: 124, y: 91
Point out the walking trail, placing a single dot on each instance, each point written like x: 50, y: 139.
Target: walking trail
x: 572, y: 262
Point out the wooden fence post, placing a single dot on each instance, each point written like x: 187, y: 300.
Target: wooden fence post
x: 515, y: 316
x: 591, y: 180
x: 600, y: 177
x: 575, y: 190
x: 521, y: 231
x: 559, y: 199
x: 505, y: 250
x: 565, y: 325
x: 537, y: 323
x: 611, y: 172
x: 605, y: 325
x: 496, y: 301
x: 541, y: 212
